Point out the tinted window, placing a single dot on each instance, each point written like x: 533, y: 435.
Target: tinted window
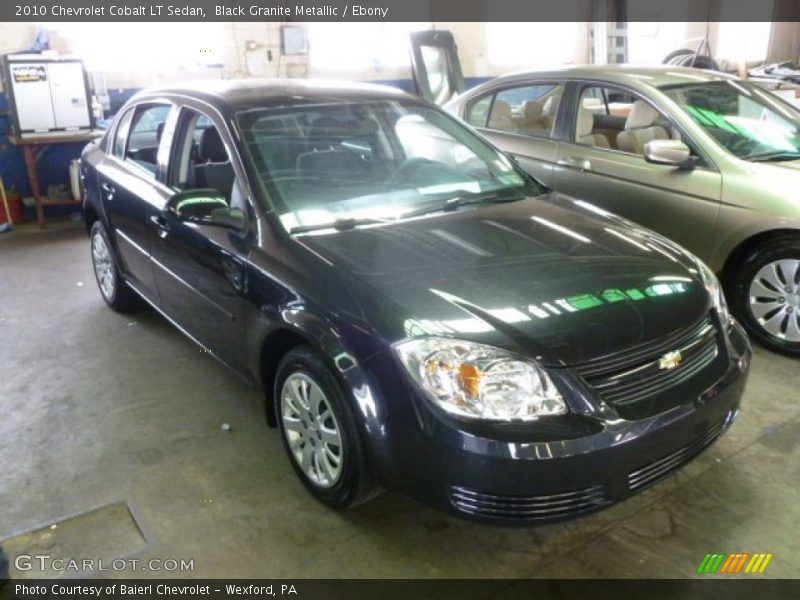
x: 619, y: 120
x: 526, y: 110
x: 376, y: 160
x: 436, y: 65
x: 747, y: 121
x: 479, y: 111
x: 202, y: 161
x: 145, y: 134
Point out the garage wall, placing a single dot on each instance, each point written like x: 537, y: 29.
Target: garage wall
x: 365, y: 51
x: 129, y: 61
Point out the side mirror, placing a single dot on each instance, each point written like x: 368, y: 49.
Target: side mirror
x: 206, y: 206
x: 668, y: 152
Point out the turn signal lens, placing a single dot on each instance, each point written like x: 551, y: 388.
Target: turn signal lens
x: 469, y: 379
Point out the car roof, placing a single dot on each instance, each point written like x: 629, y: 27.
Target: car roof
x: 650, y: 75
x: 241, y: 94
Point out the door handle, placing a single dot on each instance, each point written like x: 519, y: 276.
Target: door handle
x: 109, y: 190
x: 575, y: 162
x: 161, y: 224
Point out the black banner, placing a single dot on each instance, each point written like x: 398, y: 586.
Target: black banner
x: 315, y: 589
x: 394, y: 10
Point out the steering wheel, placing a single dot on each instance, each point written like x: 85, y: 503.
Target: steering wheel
x: 407, y: 172
x: 743, y: 146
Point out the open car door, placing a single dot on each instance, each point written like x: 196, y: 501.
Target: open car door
x: 435, y: 65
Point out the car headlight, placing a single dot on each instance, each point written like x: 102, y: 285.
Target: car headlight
x: 715, y: 291
x: 480, y: 382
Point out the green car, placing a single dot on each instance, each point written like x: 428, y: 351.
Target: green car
x: 706, y: 159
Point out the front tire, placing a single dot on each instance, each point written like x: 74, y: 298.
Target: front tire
x: 113, y: 288
x: 319, y: 431
x: 765, y: 294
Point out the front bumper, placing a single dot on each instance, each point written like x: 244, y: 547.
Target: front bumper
x: 499, y: 475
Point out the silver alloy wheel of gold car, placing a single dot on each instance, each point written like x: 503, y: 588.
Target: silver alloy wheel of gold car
x: 775, y: 299
x: 311, y: 430
x: 103, y: 266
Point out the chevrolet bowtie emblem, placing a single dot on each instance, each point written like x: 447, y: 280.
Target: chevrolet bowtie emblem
x: 670, y: 360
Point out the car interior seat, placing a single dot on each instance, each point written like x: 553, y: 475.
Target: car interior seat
x: 326, y: 157
x: 279, y: 149
x: 550, y: 110
x: 640, y: 128
x: 532, y: 115
x: 501, y: 117
x: 585, y: 130
x: 213, y: 169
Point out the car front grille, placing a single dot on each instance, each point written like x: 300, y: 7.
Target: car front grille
x: 645, y: 372
x: 658, y: 469
x: 527, y: 508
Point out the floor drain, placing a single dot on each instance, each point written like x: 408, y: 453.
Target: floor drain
x: 82, y: 543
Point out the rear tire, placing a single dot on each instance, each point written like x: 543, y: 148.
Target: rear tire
x: 765, y: 294
x: 672, y: 56
x: 685, y: 58
x: 116, y: 293
x: 319, y: 431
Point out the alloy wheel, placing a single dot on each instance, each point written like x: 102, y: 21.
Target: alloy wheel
x: 103, y: 266
x: 775, y: 299
x: 311, y: 430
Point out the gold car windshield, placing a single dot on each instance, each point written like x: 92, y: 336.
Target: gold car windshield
x: 746, y: 120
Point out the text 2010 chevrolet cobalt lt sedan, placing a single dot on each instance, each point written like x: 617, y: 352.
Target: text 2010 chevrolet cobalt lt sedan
x: 423, y: 315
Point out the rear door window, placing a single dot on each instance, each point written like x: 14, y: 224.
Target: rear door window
x: 146, y: 129
x: 478, y: 111
x: 526, y: 110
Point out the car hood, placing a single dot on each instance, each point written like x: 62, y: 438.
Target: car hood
x: 781, y: 165
x: 551, y: 277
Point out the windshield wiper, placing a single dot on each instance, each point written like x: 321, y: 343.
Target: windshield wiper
x: 450, y: 204
x: 774, y: 156
x: 463, y: 200
x: 338, y: 225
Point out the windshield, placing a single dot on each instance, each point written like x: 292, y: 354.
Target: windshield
x: 382, y: 160
x: 747, y: 121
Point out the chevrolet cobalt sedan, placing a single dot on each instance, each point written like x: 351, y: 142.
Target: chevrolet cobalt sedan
x: 422, y: 315
x: 703, y: 158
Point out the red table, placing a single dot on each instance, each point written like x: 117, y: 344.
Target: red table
x: 32, y: 147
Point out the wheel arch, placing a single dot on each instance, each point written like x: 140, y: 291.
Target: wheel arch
x: 273, y: 348
x: 300, y: 328
x: 747, y: 245
x: 89, y: 217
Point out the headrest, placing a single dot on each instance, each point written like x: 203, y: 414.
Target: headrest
x: 551, y: 105
x: 501, y: 109
x: 641, y: 115
x: 585, y: 122
x: 531, y: 109
x: 327, y: 129
x: 272, y: 127
x: 211, y: 147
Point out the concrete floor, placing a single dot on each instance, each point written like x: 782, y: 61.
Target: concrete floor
x: 99, y: 408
